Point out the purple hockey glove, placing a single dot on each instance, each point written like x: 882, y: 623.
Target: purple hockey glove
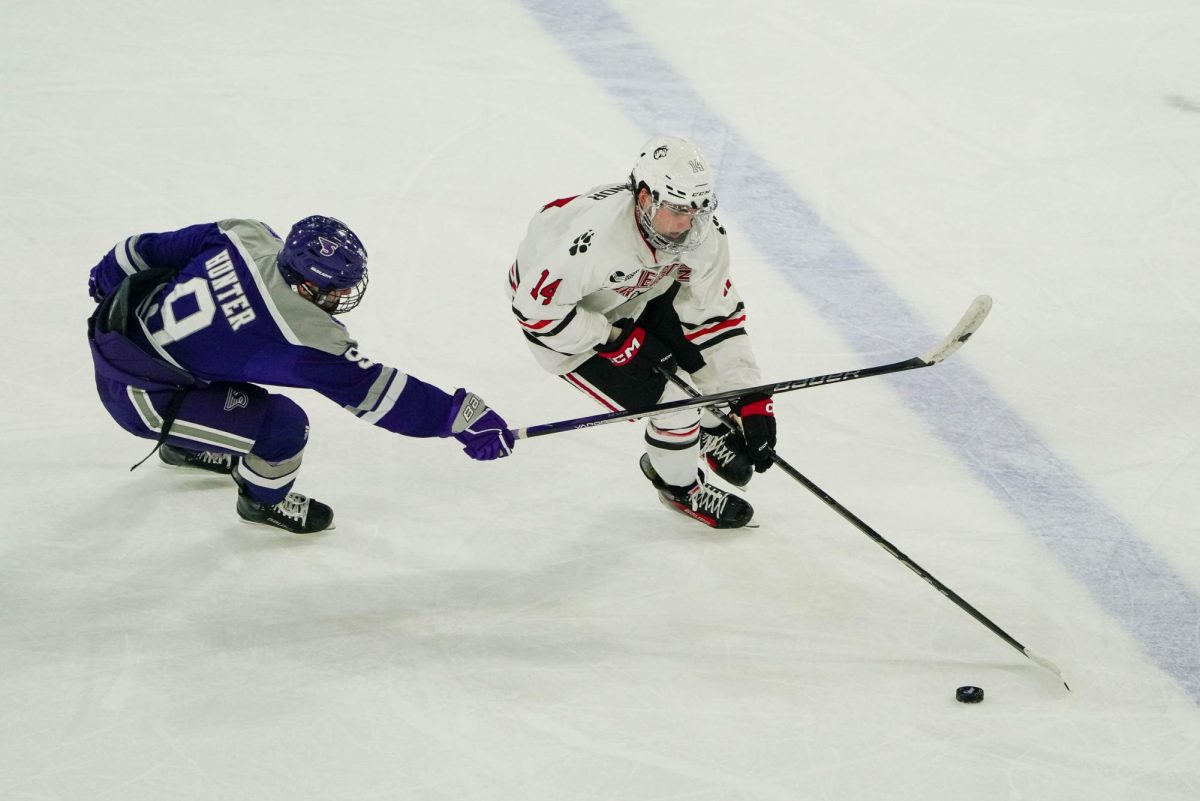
x: 94, y: 284
x: 483, y: 433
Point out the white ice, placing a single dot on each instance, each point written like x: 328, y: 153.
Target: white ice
x: 540, y: 628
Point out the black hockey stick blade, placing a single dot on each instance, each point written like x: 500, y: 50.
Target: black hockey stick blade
x: 967, y: 326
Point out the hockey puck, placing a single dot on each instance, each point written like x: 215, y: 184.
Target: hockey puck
x: 968, y: 695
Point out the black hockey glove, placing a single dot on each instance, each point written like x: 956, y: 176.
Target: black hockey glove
x: 636, y: 351
x: 757, y: 413
x: 661, y: 319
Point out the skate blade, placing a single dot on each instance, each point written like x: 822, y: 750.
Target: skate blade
x: 331, y: 527
x: 192, y: 470
x: 753, y: 523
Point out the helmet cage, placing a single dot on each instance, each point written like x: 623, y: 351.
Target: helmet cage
x: 692, y: 238
x: 336, y: 300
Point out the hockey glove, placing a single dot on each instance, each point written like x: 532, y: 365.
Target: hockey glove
x: 94, y: 284
x: 636, y: 351
x: 483, y: 433
x: 661, y: 320
x: 757, y: 413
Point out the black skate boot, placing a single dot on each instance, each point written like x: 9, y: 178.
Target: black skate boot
x: 725, y: 453
x: 702, y: 501
x: 212, y: 461
x: 295, y: 513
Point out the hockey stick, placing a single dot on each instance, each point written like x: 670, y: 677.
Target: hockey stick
x: 967, y: 326
x: 829, y: 501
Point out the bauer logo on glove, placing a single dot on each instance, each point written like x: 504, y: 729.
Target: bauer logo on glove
x: 483, y: 433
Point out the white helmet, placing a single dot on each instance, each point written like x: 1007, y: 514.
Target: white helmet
x: 679, y: 177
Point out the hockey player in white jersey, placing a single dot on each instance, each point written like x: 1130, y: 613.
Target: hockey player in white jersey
x: 625, y: 278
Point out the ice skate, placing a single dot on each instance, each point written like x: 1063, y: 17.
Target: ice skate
x: 296, y: 513
x: 725, y: 452
x: 701, y: 501
x: 211, y: 461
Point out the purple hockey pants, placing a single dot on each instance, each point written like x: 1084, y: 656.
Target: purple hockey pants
x: 268, y: 431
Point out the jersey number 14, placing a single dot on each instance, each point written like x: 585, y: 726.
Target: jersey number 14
x: 546, y: 293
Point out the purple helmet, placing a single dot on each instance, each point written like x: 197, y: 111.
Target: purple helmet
x: 322, y: 254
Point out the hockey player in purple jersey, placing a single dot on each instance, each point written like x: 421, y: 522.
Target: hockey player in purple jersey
x: 190, y: 322
x: 624, y: 279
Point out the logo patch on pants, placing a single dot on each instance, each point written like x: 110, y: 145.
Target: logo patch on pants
x: 236, y: 399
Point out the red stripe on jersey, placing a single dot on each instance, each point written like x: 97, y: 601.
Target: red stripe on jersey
x: 562, y: 201
x: 712, y: 329
x: 535, y: 325
x: 578, y: 384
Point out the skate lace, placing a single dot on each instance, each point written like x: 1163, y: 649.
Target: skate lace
x: 211, y: 457
x: 294, y: 506
x: 707, y: 498
x: 716, y: 446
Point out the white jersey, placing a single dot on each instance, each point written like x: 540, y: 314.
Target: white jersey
x: 584, y: 264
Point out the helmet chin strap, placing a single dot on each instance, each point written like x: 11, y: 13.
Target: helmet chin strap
x: 319, y: 298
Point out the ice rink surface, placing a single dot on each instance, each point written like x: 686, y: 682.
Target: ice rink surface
x: 540, y: 628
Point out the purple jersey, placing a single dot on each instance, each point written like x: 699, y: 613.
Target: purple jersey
x: 228, y: 315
